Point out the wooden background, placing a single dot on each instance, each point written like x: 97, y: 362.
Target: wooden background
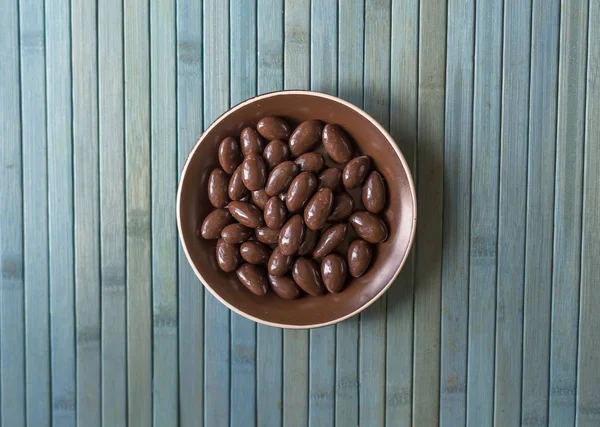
x: 494, y: 320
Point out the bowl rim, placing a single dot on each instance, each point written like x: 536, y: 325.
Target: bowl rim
x: 379, y: 127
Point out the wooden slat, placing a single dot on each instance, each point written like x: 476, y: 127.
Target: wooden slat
x: 12, y: 338
x: 216, y: 315
x: 137, y: 182
x: 376, y: 80
x: 430, y: 153
x: 323, y: 78
x: 588, y: 374
x: 540, y: 203
x: 86, y: 189
x: 164, y: 233
x: 567, y: 212
x: 296, y: 342
x: 243, y: 331
x: 269, y: 341
x: 403, y: 128
x: 457, y: 201
x: 350, y: 87
x: 191, y: 291
x: 35, y: 213
x: 112, y: 212
x: 484, y: 212
x: 60, y: 211
x: 512, y: 212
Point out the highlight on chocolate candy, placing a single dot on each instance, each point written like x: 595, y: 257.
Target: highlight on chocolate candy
x: 297, y: 211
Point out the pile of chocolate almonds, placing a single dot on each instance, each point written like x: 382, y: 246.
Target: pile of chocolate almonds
x: 281, y: 215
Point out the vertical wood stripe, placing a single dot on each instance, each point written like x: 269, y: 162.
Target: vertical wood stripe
x: 492, y: 321
x: 60, y: 211
x: 137, y: 214
x: 190, y: 119
x: 567, y: 212
x: 84, y: 62
x: 112, y: 212
x: 35, y: 213
x: 588, y: 395
x: 12, y: 327
x: 428, y: 246
x: 540, y: 202
x: 164, y: 236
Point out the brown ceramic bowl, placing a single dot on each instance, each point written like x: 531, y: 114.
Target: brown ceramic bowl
x: 400, y: 213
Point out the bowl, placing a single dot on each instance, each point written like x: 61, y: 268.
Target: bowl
x: 400, y: 212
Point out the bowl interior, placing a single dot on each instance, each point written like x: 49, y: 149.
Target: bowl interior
x: 296, y: 107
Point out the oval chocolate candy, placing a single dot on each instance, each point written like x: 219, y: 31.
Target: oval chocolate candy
x: 228, y: 256
x: 318, y: 209
x: 237, y: 190
x: 267, y: 235
x: 273, y: 128
x: 236, y: 233
x: 275, y: 213
x: 284, y: 287
x: 255, y: 252
x: 254, y: 172
x: 310, y: 162
x: 368, y: 226
x: 276, y: 152
x: 246, y: 214
x: 253, y: 277
x: 373, y: 193
x: 218, y: 182
x: 330, y: 239
x: 251, y: 141
x: 306, y: 275
x: 279, y: 263
x: 281, y: 177
x: 360, y: 255
x: 343, y: 205
x: 331, y: 178
x: 337, y: 144
x: 306, y: 137
x: 215, y: 222
x: 356, y: 171
x: 292, y: 235
x: 260, y: 198
x: 334, y: 272
x: 309, y: 242
x: 230, y: 156
x: 300, y: 191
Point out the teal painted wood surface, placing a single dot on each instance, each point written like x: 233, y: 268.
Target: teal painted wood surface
x: 492, y: 321
x: 540, y: 218
x: 112, y: 213
x: 568, y: 199
x: 86, y: 188
x: 35, y: 214
x: 60, y: 212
